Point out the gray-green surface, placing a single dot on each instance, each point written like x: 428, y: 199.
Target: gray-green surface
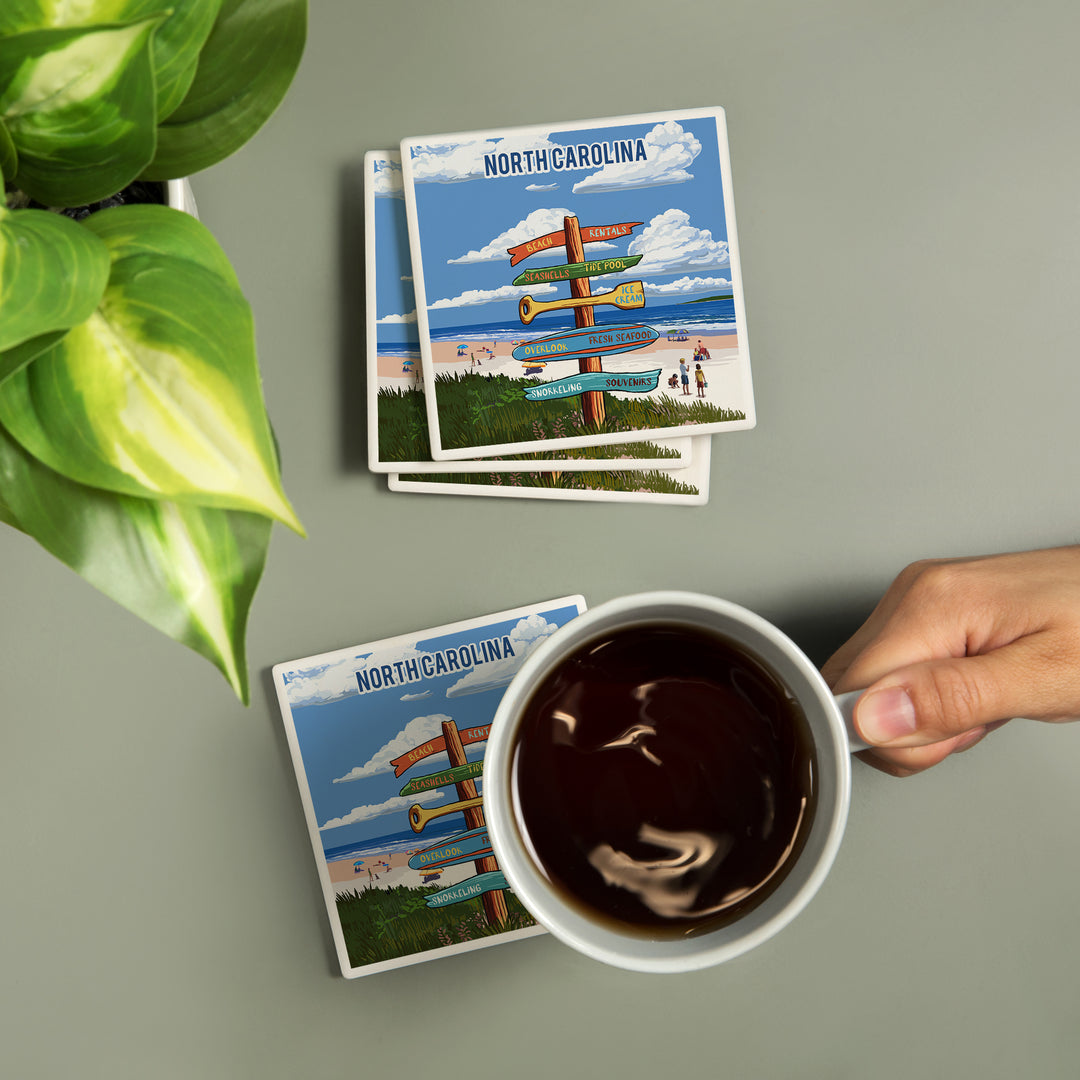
x: 906, y: 186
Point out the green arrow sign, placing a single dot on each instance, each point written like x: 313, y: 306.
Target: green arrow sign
x: 591, y: 268
x: 441, y: 779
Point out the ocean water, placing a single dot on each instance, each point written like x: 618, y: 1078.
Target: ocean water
x: 400, y: 841
x: 697, y: 319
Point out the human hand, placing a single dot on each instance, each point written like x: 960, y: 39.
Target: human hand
x: 956, y: 648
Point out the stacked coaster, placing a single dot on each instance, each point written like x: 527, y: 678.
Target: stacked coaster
x: 556, y: 312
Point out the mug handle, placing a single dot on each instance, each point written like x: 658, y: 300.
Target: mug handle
x: 846, y: 704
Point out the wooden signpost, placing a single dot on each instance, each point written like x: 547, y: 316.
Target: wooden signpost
x: 488, y: 883
x: 578, y: 271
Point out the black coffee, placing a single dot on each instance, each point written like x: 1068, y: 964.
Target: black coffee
x: 664, y: 779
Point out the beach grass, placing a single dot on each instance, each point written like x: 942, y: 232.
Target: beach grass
x: 403, y: 432
x: 403, y: 429
x: 487, y: 411
x: 384, y: 924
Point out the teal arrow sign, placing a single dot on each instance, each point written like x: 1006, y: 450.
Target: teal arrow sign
x: 639, y: 382
x: 461, y: 848
x: 467, y: 889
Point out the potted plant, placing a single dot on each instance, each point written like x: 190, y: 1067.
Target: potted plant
x: 134, y: 440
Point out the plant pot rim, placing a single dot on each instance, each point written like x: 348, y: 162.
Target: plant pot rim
x: 178, y: 194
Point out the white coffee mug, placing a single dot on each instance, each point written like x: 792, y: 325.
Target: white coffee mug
x: 829, y: 720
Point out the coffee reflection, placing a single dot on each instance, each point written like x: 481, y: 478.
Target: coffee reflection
x: 663, y: 779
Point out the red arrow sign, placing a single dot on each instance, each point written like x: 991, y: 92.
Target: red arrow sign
x: 590, y: 234
x: 437, y: 745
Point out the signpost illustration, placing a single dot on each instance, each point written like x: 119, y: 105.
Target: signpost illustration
x: 577, y: 270
x: 442, y: 779
x: 628, y: 295
x: 458, y: 849
x: 488, y: 883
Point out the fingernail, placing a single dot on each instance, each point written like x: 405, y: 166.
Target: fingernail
x: 886, y: 715
x: 967, y: 741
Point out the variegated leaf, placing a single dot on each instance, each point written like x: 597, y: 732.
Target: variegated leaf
x: 52, y: 275
x: 190, y: 571
x: 18, y: 356
x: 79, y: 106
x: 157, y: 394
x: 176, y: 44
x: 245, y: 68
x: 9, y: 157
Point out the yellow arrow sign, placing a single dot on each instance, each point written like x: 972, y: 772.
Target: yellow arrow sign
x: 419, y: 817
x: 630, y: 294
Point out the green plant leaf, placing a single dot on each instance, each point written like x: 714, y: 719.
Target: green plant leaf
x: 157, y: 394
x: 147, y: 229
x: 17, y: 357
x: 189, y: 571
x: 7, y: 515
x: 53, y: 272
x: 79, y: 106
x: 9, y: 158
x: 245, y: 68
x: 175, y: 48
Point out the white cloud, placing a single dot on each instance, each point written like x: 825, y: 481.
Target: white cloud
x: 541, y: 187
x: 670, y: 244
x: 394, y: 319
x: 418, y: 730
x: 687, y: 286
x: 386, y: 182
x: 473, y: 297
x: 669, y: 149
x: 393, y: 805
x: 524, y: 638
x: 324, y: 682
x: 416, y: 697
x: 449, y: 163
x: 332, y: 681
x: 538, y: 223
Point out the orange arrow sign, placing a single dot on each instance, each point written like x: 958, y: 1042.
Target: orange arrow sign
x: 590, y: 234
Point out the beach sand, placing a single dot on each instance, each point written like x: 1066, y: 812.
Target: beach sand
x: 344, y: 878
x: 664, y: 354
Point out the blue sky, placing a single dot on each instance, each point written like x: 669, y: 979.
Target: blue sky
x: 347, y: 740
x: 395, y: 300
x: 466, y: 221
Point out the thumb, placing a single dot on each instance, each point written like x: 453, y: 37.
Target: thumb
x: 939, y: 699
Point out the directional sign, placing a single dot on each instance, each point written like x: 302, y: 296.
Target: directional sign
x: 419, y: 817
x: 437, y: 745
x: 441, y: 779
x: 589, y: 268
x: 630, y: 382
x: 474, y: 844
x: 587, y: 341
x: 590, y: 234
x: 467, y: 889
x: 628, y: 295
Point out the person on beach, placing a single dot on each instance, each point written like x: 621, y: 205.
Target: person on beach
x: 684, y: 375
x: 699, y: 379
x: 957, y: 647
x: 702, y: 351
